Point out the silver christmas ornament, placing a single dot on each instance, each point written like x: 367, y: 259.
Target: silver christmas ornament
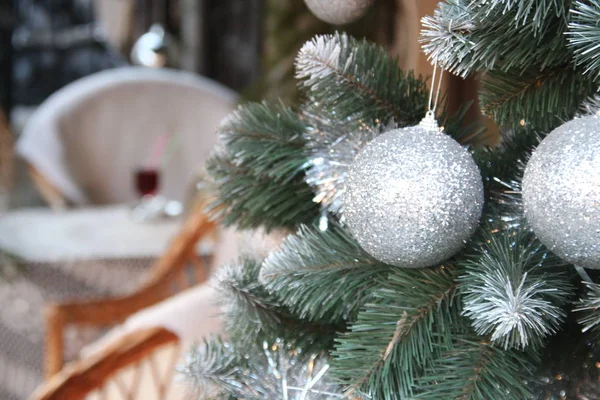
x: 413, y: 197
x: 561, y: 191
x: 339, y: 12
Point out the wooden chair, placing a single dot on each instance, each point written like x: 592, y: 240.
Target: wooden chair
x: 135, y: 351
x: 180, y: 267
x: 138, y: 361
x: 83, y: 144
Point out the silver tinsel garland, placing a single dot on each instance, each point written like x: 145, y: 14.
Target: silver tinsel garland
x: 333, y: 145
x: 277, y: 371
x: 287, y: 374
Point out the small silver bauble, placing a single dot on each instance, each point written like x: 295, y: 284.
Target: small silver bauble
x: 413, y: 197
x: 338, y: 12
x: 561, y: 191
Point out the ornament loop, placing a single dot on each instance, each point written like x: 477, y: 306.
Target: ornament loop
x: 429, y: 123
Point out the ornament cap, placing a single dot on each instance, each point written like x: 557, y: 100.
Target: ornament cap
x: 429, y: 123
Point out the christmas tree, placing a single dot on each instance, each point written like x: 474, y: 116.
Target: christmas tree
x: 415, y: 267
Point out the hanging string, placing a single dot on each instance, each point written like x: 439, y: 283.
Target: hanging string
x: 429, y: 122
x: 439, y: 88
x: 433, y: 106
x: 429, y: 104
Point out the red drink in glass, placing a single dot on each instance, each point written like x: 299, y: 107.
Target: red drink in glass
x: 146, y: 181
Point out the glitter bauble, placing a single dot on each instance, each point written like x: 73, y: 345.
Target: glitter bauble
x: 413, y: 197
x: 338, y: 12
x: 561, y: 191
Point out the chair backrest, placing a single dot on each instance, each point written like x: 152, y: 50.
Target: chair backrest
x: 89, y: 137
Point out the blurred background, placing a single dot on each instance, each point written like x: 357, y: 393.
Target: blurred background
x: 108, y: 112
x: 246, y: 45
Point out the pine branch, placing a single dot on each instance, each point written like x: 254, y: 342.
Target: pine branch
x: 542, y: 99
x: 536, y: 15
x: 211, y: 369
x: 476, y: 369
x: 259, y: 172
x: 530, y: 77
x: 501, y: 166
x: 398, y: 334
x: 584, y: 36
x: 465, y: 36
x: 266, y: 138
x: 514, y: 289
x: 590, y: 106
x: 322, y: 275
x: 359, y: 80
x: 248, y: 307
x: 588, y: 309
x: 252, y: 313
x: 251, y: 202
x: 470, y: 134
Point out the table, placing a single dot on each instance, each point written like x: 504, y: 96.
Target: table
x: 76, y: 254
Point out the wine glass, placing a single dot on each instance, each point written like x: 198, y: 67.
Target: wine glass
x: 150, y: 206
x: 147, y: 181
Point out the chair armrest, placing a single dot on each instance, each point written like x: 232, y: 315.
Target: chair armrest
x: 81, y: 377
x: 114, y: 310
x: 168, y: 271
x: 49, y: 192
x: 99, y: 313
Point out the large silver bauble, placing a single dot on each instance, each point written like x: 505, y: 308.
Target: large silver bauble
x: 339, y: 12
x: 413, y: 197
x: 561, y: 191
